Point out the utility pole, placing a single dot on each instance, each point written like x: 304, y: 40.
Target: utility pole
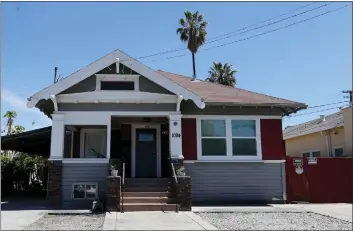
x: 349, y: 96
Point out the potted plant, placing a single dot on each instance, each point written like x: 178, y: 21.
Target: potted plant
x: 113, y: 171
x: 180, y: 171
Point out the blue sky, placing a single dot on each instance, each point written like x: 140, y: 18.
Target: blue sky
x: 310, y: 62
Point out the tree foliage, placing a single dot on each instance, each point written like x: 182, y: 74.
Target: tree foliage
x: 192, y: 31
x: 222, y: 74
x: 22, y: 174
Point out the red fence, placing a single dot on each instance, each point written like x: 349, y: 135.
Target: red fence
x: 328, y: 180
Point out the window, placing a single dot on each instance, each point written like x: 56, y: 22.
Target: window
x: 213, y: 138
x: 228, y: 138
x: 118, y: 85
x: 337, y: 151
x: 93, y: 143
x: 85, y: 191
x: 311, y: 154
x: 244, y: 138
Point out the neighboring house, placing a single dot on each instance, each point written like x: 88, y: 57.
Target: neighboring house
x: 327, y: 136
x: 229, y: 140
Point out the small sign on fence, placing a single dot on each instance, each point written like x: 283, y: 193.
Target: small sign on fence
x: 298, y: 163
x: 312, y: 160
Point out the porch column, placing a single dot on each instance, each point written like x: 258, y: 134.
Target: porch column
x: 109, y: 131
x: 57, y: 137
x: 175, y: 143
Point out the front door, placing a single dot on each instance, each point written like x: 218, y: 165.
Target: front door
x: 146, y: 153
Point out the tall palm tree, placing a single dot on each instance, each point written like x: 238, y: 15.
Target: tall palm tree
x: 193, y: 32
x: 10, y: 115
x: 222, y: 74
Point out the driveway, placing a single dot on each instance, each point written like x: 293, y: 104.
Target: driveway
x: 16, y: 214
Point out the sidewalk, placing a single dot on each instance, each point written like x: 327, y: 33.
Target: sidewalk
x: 155, y: 221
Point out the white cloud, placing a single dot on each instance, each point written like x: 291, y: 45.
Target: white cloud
x: 19, y: 103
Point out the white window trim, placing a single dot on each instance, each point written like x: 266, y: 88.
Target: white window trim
x: 229, y: 154
x: 82, y: 140
x: 311, y: 152
x: 336, y: 147
x: 117, y: 77
x: 87, y: 183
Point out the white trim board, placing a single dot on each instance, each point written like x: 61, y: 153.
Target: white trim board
x: 135, y: 126
x: 116, y: 97
x: 114, y: 57
x: 104, y: 117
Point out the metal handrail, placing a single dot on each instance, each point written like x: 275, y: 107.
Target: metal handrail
x: 122, y: 188
x: 174, y: 174
x: 176, y: 185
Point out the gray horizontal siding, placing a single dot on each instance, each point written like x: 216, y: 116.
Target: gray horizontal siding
x: 82, y: 173
x: 116, y: 107
x: 235, y: 181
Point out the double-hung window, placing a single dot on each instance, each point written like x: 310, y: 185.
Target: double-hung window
x: 229, y: 138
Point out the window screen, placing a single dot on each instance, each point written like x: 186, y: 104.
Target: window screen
x: 118, y: 85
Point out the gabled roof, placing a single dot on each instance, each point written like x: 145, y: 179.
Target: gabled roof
x: 321, y: 124
x: 198, y: 91
x: 105, y: 61
x: 216, y: 93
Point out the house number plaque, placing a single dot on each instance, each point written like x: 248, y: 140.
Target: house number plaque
x: 176, y: 135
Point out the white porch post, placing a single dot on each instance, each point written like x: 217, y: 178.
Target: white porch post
x: 109, y: 131
x: 175, y: 143
x: 57, y: 137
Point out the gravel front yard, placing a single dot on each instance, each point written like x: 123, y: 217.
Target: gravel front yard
x: 68, y: 222
x: 274, y: 221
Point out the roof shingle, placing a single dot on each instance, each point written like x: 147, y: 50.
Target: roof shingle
x: 216, y: 93
x: 317, y: 125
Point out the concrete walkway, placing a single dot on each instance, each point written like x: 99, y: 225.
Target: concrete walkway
x: 155, y: 221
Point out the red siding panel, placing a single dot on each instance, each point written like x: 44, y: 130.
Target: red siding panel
x: 189, y: 139
x: 272, y: 139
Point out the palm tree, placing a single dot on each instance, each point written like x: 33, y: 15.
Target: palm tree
x: 222, y: 74
x: 10, y: 115
x: 193, y: 32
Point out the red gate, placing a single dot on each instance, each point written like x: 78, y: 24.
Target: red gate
x: 326, y: 180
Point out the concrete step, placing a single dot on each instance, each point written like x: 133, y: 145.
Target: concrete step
x: 147, y: 183
x: 146, y: 189
x: 149, y: 207
x: 146, y: 194
x: 130, y: 200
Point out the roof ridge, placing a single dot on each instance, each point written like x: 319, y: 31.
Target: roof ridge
x: 229, y: 87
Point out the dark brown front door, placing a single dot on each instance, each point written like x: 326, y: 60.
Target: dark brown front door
x: 146, y: 153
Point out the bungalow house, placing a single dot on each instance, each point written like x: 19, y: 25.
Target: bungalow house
x: 327, y: 136
x: 229, y: 140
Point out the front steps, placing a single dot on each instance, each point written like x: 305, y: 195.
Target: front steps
x: 147, y: 194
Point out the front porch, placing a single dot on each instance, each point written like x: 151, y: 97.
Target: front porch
x: 142, y: 141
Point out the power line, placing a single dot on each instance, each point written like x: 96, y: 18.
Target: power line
x: 241, y: 29
x: 272, y: 23
x: 258, y: 35
x: 327, y: 109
